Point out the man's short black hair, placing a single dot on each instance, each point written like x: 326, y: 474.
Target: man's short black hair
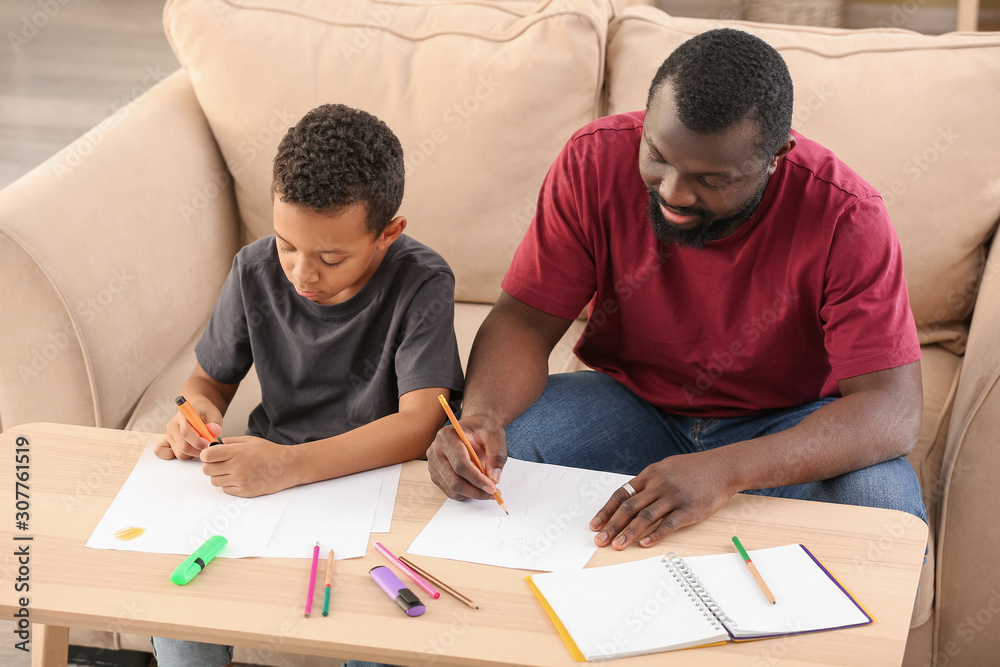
x: 723, y: 76
x: 337, y: 156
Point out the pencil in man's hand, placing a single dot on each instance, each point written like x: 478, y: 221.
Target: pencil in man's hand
x: 468, y: 446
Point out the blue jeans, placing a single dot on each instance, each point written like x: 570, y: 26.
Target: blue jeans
x: 588, y: 420
x: 184, y: 653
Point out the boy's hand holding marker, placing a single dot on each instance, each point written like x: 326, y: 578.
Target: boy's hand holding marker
x: 188, y: 431
x: 239, y: 467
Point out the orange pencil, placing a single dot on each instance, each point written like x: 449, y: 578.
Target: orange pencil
x: 437, y: 582
x: 753, y: 569
x: 468, y: 446
x: 196, y: 422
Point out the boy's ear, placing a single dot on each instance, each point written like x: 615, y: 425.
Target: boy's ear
x: 391, y: 232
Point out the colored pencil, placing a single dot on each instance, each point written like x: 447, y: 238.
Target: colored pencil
x: 753, y: 569
x: 440, y: 584
x: 329, y: 580
x: 468, y: 446
x: 407, y: 571
x: 312, y: 580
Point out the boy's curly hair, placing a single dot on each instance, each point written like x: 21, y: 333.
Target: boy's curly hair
x: 336, y: 156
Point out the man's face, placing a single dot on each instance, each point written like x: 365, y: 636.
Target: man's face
x: 702, y: 187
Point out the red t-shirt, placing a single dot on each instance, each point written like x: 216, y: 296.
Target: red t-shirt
x: 808, y: 292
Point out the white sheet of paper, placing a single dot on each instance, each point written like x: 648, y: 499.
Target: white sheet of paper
x: 387, y: 498
x: 337, y: 512
x: 177, y: 508
x: 548, y: 528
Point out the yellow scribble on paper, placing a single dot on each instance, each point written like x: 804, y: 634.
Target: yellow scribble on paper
x: 130, y: 533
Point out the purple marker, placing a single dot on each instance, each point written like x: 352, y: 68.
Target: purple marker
x: 394, y: 588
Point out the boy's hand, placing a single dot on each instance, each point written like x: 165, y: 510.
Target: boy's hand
x: 182, y: 441
x: 454, y: 471
x: 247, y: 466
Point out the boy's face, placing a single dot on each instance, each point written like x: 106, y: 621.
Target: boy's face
x: 328, y: 258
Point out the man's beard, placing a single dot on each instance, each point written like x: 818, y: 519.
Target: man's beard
x: 698, y: 234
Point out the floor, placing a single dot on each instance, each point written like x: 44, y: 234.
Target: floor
x: 65, y: 65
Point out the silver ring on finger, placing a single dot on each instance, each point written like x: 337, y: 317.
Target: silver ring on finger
x: 627, y: 488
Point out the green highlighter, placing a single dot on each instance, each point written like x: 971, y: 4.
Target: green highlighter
x: 197, y: 561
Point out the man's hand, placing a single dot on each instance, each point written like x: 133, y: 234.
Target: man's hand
x: 508, y: 369
x: 670, y: 494
x: 182, y: 441
x: 454, y: 471
x: 247, y: 466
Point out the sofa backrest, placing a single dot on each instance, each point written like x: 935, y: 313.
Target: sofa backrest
x: 481, y: 95
x: 917, y: 116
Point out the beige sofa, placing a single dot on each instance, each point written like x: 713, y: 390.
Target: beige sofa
x: 112, y: 252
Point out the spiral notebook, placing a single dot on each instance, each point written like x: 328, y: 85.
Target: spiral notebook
x: 668, y: 602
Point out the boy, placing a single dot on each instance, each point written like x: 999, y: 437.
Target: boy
x: 350, y: 325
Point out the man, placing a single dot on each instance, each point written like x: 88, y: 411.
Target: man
x: 748, y: 319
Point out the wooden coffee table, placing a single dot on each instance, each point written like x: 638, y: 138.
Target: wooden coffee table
x: 75, y: 473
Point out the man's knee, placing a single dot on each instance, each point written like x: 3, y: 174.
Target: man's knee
x: 889, y: 485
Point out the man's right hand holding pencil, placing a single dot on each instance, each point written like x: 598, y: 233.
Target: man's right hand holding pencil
x: 508, y: 369
x: 451, y: 466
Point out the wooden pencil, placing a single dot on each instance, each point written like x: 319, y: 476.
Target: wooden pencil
x: 468, y: 446
x: 440, y: 584
x: 329, y: 581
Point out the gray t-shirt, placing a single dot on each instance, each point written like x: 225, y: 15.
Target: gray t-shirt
x: 325, y: 370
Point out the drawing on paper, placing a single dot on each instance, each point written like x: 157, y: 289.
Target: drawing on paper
x: 130, y: 533
x: 543, y: 511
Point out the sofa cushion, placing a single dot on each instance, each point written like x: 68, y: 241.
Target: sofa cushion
x: 482, y: 97
x: 908, y: 112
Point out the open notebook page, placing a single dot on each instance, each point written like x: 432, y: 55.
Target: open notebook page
x: 806, y: 598
x: 629, y: 609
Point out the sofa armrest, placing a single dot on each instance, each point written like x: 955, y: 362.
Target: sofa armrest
x: 968, y: 540
x: 112, y: 254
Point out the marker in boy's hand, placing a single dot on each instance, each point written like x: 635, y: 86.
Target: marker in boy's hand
x: 196, y: 421
x: 187, y: 431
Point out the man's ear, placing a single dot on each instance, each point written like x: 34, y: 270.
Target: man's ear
x: 785, y: 149
x: 391, y: 232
